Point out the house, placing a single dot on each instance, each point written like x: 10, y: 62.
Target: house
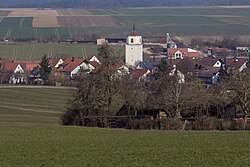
x: 209, y: 75
x: 180, y: 53
x: 140, y: 74
x: 180, y: 75
x: 72, y: 67
x: 148, y: 65
x: 218, y: 52
x: 78, y: 66
x: 93, y: 58
x: 55, y: 62
x: 237, y: 63
x: 16, y: 71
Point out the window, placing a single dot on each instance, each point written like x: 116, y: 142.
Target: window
x: 132, y: 40
x: 177, y: 56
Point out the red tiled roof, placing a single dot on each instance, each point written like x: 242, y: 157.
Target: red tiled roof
x: 28, y: 65
x: 4, y: 60
x: 28, y: 62
x: 53, y: 61
x: 208, y: 72
x: 72, y: 65
x: 236, y: 63
x: 206, y: 61
x: 184, y: 51
x: 111, y: 67
x: 31, y: 66
x: 173, y: 50
x: 10, y: 66
x: 90, y: 57
x: 139, y: 72
x: 67, y: 60
x: 134, y: 33
x: 94, y: 64
x: 220, y: 50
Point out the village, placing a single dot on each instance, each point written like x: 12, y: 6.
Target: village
x: 141, y: 61
x: 215, y: 74
x: 125, y: 83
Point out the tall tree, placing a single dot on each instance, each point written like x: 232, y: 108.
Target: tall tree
x: 98, y: 94
x: 45, y: 68
x: 239, y: 87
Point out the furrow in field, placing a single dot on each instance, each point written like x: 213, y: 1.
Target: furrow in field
x: 21, y: 22
x: 32, y: 110
x: 70, y: 32
x: 31, y: 52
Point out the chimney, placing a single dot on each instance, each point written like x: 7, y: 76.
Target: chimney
x: 72, y: 59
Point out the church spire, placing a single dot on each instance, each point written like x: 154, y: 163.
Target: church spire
x: 133, y: 27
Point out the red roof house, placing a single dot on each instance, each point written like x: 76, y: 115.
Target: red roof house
x: 180, y: 53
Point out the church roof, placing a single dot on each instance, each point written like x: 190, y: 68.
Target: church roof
x: 134, y: 33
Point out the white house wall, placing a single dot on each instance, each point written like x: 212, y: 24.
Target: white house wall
x: 19, y: 69
x: 59, y: 63
x: 75, y: 71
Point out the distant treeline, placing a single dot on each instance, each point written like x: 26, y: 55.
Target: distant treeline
x: 115, y: 3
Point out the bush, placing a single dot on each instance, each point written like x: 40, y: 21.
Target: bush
x: 171, y: 124
x: 207, y: 123
x: 237, y: 125
x: 145, y: 123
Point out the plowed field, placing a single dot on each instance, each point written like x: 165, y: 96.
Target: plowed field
x: 83, y: 21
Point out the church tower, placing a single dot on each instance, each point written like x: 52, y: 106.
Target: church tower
x: 134, y: 48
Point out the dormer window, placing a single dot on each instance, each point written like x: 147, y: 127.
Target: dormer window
x: 132, y: 40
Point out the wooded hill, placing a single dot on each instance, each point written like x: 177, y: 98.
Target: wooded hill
x: 115, y: 3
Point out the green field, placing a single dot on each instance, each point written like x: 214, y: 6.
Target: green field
x: 150, y: 22
x: 36, y: 51
x: 32, y: 105
x: 30, y: 135
x: 53, y: 145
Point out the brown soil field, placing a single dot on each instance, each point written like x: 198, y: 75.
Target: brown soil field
x: 85, y: 21
x: 236, y: 7
x: 45, y: 21
x: 42, y: 17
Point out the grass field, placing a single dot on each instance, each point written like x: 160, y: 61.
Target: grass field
x: 30, y: 135
x: 44, y: 145
x: 32, y: 105
x: 36, y: 51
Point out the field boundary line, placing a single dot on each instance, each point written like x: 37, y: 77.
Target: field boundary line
x: 84, y: 52
x: 56, y: 33
x: 70, y: 32
x: 32, y: 110
x: 14, y: 53
x: 21, y: 22
x: 31, y: 52
x: 8, y: 33
x: 36, y: 33
x: 50, y: 51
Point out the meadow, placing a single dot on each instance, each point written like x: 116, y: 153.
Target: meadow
x: 32, y: 105
x: 53, y: 145
x: 36, y: 50
x: 31, y: 135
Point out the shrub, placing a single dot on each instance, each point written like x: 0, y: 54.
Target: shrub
x: 171, y: 124
x: 207, y: 123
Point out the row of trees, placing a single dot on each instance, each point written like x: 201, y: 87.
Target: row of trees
x: 101, y: 95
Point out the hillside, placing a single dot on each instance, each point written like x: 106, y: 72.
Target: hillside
x: 115, y: 3
x: 27, y: 24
